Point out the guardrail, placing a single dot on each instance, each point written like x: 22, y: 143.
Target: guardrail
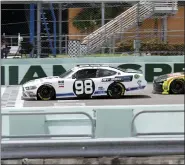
x: 92, y: 148
x: 154, y: 133
x: 92, y: 135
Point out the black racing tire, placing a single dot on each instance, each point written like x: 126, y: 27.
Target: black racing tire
x: 116, y: 90
x: 177, y: 86
x: 46, y: 92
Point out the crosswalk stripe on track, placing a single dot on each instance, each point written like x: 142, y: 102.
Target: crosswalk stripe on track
x: 11, y: 96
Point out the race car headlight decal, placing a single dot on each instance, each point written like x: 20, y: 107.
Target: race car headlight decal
x: 31, y: 94
x: 30, y: 88
x: 136, y: 76
x: 160, y: 80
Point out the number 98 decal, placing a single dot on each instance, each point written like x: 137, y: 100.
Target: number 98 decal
x: 83, y: 88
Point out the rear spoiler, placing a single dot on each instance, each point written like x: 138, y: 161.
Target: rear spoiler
x: 134, y: 71
x: 140, y: 71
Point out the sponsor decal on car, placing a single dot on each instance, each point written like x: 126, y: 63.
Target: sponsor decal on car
x: 106, y: 79
x: 61, y: 84
x: 121, y: 78
x: 101, y: 88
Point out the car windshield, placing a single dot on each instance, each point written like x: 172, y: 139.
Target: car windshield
x: 65, y: 74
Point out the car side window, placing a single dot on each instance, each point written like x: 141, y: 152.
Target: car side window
x: 85, y: 73
x: 105, y: 73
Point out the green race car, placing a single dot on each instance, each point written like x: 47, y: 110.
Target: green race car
x: 173, y: 83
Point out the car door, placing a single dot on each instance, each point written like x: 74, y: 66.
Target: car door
x: 84, y: 82
x: 64, y: 85
x: 101, y: 84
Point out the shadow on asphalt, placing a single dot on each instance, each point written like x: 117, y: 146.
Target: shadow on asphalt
x: 100, y: 98
x: 108, y: 98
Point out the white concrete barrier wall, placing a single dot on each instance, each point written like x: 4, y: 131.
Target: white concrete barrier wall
x: 121, y: 117
x: 18, y: 71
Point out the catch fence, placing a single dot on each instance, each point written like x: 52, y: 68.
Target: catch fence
x: 62, y: 28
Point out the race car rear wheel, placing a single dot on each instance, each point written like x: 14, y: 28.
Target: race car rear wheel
x: 116, y: 90
x: 46, y: 92
x: 177, y: 86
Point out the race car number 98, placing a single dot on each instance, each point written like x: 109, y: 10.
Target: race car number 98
x: 84, y: 87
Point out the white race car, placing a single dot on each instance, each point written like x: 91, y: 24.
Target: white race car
x: 85, y: 81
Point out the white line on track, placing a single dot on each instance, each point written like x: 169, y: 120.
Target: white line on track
x: 66, y: 101
x: 19, y: 102
x: 68, y: 104
x: 2, y: 90
x: 73, y: 105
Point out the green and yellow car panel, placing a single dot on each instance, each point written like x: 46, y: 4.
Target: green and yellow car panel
x: 164, y: 83
x: 167, y: 83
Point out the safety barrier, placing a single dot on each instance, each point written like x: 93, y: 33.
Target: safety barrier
x: 103, y: 121
x: 92, y: 148
x: 21, y: 146
x: 92, y: 135
x: 154, y: 133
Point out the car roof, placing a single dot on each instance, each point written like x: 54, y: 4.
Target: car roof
x: 93, y: 66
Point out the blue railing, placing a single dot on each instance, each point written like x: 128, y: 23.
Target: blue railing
x: 52, y: 42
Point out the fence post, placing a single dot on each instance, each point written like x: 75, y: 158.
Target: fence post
x: 32, y: 26
x: 137, y: 41
x: 54, y: 29
x: 60, y: 28
x: 164, y: 28
x: 103, y: 22
x: 66, y: 45
x: 38, y: 29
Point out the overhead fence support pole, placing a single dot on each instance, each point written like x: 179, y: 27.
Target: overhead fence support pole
x: 165, y: 28
x: 54, y: 29
x: 103, y: 21
x: 0, y: 98
x: 38, y: 29
x: 32, y: 26
x: 137, y: 40
x: 60, y: 28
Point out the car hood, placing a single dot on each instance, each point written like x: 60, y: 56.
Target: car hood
x: 49, y: 79
x: 175, y: 74
x: 166, y: 76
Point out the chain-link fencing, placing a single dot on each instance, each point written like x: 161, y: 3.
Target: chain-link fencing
x: 75, y: 29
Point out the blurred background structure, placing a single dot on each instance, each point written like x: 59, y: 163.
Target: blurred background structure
x: 144, y: 27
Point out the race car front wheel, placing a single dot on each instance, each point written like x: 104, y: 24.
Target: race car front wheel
x: 177, y: 87
x: 46, y: 92
x: 116, y: 90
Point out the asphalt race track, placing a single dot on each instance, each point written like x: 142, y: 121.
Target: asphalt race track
x: 11, y: 97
